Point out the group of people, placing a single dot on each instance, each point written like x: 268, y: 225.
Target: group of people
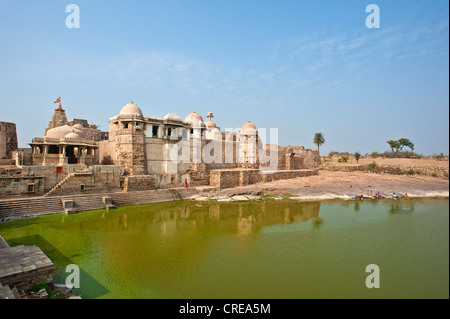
x: 378, y: 195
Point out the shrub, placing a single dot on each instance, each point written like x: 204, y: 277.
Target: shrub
x: 39, y: 286
x: 332, y: 153
x: 357, y: 157
x: 434, y: 175
x: 372, y: 167
x: 375, y: 155
x: 344, y: 158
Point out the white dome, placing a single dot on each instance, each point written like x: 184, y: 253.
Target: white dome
x: 210, y: 124
x: 78, y: 126
x: 62, y: 131
x: 72, y: 135
x: 194, y: 118
x: 172, y: 117
x: 248, y: 127
x: 131, y: 109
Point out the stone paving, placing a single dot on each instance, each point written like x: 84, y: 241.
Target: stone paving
x: 22, y: 267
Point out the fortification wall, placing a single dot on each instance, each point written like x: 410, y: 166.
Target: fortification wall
x: 100, y: 178
x: 139, y: 183
x: 8, y: 139
x: 21, y: 185
x: 233, y: 178
x: 295, y: 157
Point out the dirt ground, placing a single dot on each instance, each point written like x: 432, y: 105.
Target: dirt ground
x: 329, y: 184
x: 402, y: 162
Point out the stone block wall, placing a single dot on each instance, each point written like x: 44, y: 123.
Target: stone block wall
x: 233, y: 178
x: 50, y: 173
x: 199, y: 178
x: 225, y: 178
x: 99, y: 178
x: 24, y: 266
x: 310, y: 158
x: 296, y: 157
x: 8, y: 139
x: 23, y: 156
x: 106, y: 152
x: 4, y: 161
x: 21, y: 185
x: 139, y: 183
x: 287, y: 174
x: 130, y: 151
x: 249, y: 177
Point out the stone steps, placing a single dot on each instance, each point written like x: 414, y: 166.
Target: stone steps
x: 31, y: 206
x: 65, y: 179
x: 6, y: 292
x: 47, y: 205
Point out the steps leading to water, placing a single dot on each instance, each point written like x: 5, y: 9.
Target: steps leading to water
x: 30, y: 206
x: 54, y: 204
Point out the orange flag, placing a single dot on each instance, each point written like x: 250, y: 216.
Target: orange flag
x: 58, y: 100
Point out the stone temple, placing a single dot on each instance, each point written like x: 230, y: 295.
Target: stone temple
x: 142, y: 152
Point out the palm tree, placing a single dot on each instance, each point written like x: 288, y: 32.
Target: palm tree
x: 318, y: 139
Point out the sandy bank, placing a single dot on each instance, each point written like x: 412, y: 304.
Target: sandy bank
x: 331, y: 185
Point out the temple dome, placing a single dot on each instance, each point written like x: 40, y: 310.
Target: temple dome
x: 72, y: 135
x: 62, y: 131
x: 248, y: 127
x: 78, y: 126
x: 172, y: 117
x: 131, y: 109
x: 210, y: 124
x: 194, y: 117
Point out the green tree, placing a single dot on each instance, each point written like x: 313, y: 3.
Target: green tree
x: 319, y: 140
x: 405, y: 142
x: 397, y: 146
x: 357, y: 156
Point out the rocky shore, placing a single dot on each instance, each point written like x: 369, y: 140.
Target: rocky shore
x: 334, y: 185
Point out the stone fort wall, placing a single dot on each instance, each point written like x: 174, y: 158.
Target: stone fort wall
x: 8, y: 139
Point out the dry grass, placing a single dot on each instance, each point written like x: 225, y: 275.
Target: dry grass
x: 402, y: 162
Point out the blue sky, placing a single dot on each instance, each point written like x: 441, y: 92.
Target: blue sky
x: 299, y: 66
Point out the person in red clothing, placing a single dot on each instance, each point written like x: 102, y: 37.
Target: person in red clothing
x: 185, y: 183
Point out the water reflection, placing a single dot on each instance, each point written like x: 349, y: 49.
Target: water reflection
x: 248, y: 249
x: 238, y: 218
x: 242, y: 218
x: 396, y: 206
x: 401, y: 207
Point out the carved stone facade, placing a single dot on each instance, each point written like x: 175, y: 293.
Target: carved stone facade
x: 66, y: 143
x: 177, y: 151
x: 144, y: 152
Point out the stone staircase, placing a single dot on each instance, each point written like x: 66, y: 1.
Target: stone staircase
x: 65, y: 179
x: 7, y: 293
x: 54, y: 204
x: 30, y: 206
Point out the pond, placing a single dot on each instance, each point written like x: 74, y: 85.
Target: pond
x: 254, y: 249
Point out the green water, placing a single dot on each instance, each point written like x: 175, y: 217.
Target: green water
x: 257, y: 249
